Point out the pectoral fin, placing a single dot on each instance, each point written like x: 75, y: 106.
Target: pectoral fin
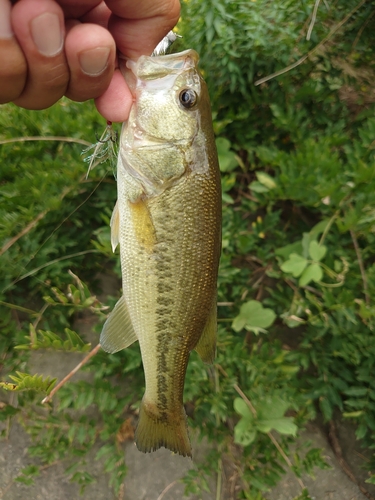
x: 143, y: 225
x: 115, y: 227
x: 206, y: 347
x: 118, y: 332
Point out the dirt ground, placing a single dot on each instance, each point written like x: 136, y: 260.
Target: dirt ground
x: 156, y: 476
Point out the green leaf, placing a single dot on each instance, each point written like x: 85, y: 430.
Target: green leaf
x: 244, y: 432
x: 26, y: 382
x: 258, y: 187
x: 352, y: 414
x: 253, y: 316
x: 287, y: 250
x: 356, y: 391
x: 266, y: 180
x: 361, y: 431
x: 370, y: 480
x: 312, y: 273
x: 28, y: 481
x: 316, y: 251
x: 7, y: 411
x: 319, y: 228
x: 274, y: 406
x: 30, y: 470
x: 228, y: 182
x: 47, y: 339
x: 305, y: 245
x: 295, y: 265
x: 283, y: 425
x: 227, y: 198
x: 241, y: 408
x: 326, y: 407
x: 227, y: 158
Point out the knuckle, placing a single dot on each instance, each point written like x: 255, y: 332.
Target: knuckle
x: 13, y: 65
x: 170, y: 9
x: 44, y: 87
x: 56, y: 78
x: 13, y: 80
x: 83, y: 89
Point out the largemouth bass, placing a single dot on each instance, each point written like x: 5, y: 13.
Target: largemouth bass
x: 167, y: 221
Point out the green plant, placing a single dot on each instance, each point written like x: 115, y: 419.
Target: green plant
x: 297, y: 273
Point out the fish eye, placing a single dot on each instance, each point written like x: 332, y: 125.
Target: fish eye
x: 188, y: 98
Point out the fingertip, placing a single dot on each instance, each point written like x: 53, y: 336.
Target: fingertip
x: 13, y: 70
x: 39, y: 29
x: 91, y: 52
x: 138, y: 26
x: 114, y: 105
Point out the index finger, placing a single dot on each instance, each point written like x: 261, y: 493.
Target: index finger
x: 138, y: 25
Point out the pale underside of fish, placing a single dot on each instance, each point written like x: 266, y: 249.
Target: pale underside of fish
x: 167, y: 222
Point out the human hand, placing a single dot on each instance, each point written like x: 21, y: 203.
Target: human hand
x: 53, y: 48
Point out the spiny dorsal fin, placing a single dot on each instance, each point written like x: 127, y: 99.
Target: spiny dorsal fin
x: 118, y: 332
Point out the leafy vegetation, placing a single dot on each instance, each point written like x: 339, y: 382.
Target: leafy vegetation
x: 297, y: 274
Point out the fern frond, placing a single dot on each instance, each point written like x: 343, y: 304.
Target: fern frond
x: 26, y: 382
x: 49, y: 340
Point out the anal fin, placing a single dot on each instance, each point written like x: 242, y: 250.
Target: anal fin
x: 206, y: 346
x: 118, y: 332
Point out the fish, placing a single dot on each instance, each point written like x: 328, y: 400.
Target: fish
x: 167, y: 223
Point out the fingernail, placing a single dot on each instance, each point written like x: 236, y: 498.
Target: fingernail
x: 94, y: 61
x: 5, y: 24
x: 46, y: 33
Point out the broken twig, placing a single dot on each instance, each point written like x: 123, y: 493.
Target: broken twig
x: 70, y: 374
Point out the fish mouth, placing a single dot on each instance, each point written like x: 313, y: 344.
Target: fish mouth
x: 148, y: 68
x: 152, y: 67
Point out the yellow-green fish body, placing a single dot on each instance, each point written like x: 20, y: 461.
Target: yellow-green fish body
x: 168, y: 224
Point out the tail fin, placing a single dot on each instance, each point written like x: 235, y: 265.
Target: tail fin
x: 154, y: 432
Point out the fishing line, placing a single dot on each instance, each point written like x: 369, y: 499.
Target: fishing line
x: 67, y: 217
x: 55, y: 261
x: 30, y: 273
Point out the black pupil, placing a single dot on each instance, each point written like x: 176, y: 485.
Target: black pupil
x: 188, y: 98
